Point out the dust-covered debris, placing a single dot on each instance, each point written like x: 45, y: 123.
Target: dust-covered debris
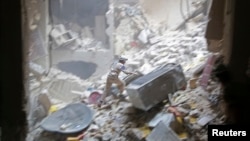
x: 148, y: 47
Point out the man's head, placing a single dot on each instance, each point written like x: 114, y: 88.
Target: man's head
x: 122, y: 60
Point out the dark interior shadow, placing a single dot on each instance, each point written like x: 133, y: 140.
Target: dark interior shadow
x: 79, y: 68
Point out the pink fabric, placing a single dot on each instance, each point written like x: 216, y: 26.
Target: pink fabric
x: 207, y: 71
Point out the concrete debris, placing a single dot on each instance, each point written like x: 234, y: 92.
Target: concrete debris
x: 135, y: 134
x: 61, y: 36
x: 107, y: 136
x: 164, y: 117
x: 143, y: 36
x: 162, y: 133
x: 36, y: 69
x: 180, y: 99
x: 195, y: 113
x: 149, y: 46
x: 125, y: 108
x: 34, y: 84
x: 44, y: 101
x: 193, y: 83
x: 205, y: 120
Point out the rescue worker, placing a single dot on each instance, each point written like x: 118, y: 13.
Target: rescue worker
x: 113, y: 77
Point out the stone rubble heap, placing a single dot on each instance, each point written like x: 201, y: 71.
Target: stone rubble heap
x: 81, y: 40
x: 146, y: 49
x: 119, y: 120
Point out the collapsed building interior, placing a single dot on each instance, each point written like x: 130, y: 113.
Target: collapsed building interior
x: 64, y: 49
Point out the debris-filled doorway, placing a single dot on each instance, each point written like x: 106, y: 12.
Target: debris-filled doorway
x: 73, y: 45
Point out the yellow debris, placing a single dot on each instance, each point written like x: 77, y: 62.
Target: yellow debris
x: 183, y: 135
x: 193, y: 106
x: 52, y: 109
x: 192, y: 119
x: 179, y: 119
x: 72, y: 139
x: 146, y: 131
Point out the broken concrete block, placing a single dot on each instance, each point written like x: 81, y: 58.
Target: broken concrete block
x: 152, y: 54
x: 107, y: 136
x: 75, y: 26
x: 155, y: 39
x: 143, y: 36
x: 36, y: 69
x: 167, y: 118
x: 34, y: 84
x: 164, y: 60
x: 195, y: 113
x: 61, y: 36
x: 193, y: 83
x: 196, y: 127
x: 198, y: 70
x: 126, y: 108
x: 121, y: 119
x: 205, y: 120
x: 192, y: 120
x: 44, y: 101
x: 92, y: 128
x: 162, y: 133
x: 146, y: 68
x: 100, y: 121
x: 40, y: 113
x: 180, y: 99
x: 134, y: 64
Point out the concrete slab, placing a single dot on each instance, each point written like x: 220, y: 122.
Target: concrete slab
x: 162, y: 133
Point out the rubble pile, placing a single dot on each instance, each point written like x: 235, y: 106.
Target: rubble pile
x: 76, y: 40
x: 185, y: 115
x: 119, y: 120
x: 150, y: 49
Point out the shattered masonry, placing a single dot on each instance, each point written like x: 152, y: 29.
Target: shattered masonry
x: 148, y: 46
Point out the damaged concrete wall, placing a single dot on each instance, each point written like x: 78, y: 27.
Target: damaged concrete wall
x: 169, y: 13
x: 110, y: 25
x: 229, y: 27
x: 228, y: 30
x: 37, y: 16
x: 77, y: 15
x: 216, y: 24
x: 135, y: 25
x: 220, y: 32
